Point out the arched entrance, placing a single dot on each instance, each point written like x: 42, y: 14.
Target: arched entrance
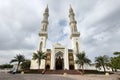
x: 59, y: 61
x: 47, y: 67
x: 71, y: 67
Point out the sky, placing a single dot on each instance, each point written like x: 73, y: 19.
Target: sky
x: 98, y: 22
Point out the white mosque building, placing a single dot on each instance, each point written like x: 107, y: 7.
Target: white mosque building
x: 59, y: 57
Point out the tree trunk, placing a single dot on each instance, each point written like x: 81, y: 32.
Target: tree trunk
x: 104, y: 68
x: 39, y: 62
x: 112, y: 69
x: 38, y: 67
x: 82, y: 69
x: 17, y: 66
x: 115, y: 70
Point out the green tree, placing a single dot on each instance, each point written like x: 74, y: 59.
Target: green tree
x: 39, y: 56
x: 82, y: 59
x: 115, y: 61
x: 18, y: 58
x: 117, y: 53
x: 102, y: 61
x: 26, y: 64
x: 3, y: 66
x: 111, y: 65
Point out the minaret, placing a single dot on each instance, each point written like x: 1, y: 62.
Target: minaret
x: 43, y: 32
x: 42, y: 42
x: 74, y: 35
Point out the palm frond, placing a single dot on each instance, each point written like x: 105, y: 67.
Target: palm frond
x: 35, y: 56
x: 18, y: 58
x: 102, y: 61
x: 82, y: 59
x: 13, y: 60
x: 39, y: 56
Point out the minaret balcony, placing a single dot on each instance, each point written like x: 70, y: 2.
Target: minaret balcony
x: 43, y: 33
x: 45, y: 21
x: 75, y: 34
x: 73, y: 22
x: 46, y: 14
x: 71, y: 14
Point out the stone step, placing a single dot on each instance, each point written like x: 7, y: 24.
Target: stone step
x: 62, y: 72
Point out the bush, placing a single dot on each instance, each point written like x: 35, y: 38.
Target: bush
x: 5, y: 66
x: 25, y: 65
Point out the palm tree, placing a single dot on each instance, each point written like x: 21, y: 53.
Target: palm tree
x: 117, y: 53
x: 18, y: 58
x: 82, y: 59
x: 102, y: 61
x: 39, y: 56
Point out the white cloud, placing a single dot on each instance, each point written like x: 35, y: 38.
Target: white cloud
x: 101, y: 10
x: 20, y: 22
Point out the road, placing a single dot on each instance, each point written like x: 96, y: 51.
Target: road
x: 7, y: 76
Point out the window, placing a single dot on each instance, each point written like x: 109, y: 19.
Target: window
x: 41, y: 44
x: 77, y: 47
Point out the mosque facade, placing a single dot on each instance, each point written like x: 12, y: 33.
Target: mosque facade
x: 59, y: 57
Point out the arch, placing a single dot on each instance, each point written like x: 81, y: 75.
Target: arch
x: 59, y: 61
x: 75, y: 28
x: 59, y: 54
x: 47, y: 67
x: 44, y: 27
x: 41, y: 44
x: 77, y: 47
x: 71, y: 67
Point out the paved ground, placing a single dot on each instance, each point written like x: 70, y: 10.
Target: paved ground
x: 7, y: 76
x: 95, y: 77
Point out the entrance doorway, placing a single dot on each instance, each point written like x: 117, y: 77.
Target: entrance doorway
x: 47, y: 67
x: 59, y: 61
x: 71, y: 67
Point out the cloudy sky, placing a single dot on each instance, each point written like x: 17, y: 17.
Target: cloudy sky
x: 97, y: 20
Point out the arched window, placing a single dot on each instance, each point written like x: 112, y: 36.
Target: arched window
x: 41, y: 44
x: 59, y: 54
x: 77, y: 47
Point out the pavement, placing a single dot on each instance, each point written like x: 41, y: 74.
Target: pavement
x: 95, y: 77
x: 7, y: 76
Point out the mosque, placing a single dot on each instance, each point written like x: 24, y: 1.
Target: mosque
x: 59, y: 57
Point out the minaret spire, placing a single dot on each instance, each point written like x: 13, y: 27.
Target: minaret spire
x: 45, y: 19
x: 72, y: 20
x: 43, y: 32
x: 47, y: 10
x: 71, y: 10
